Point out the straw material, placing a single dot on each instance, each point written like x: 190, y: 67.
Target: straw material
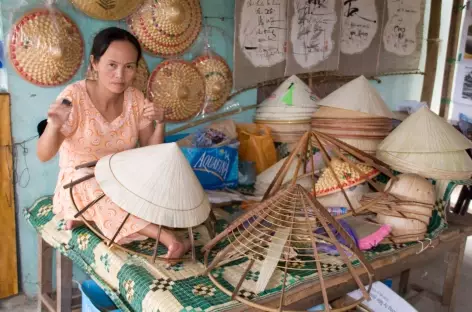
x: 166, y: 27
x: 46, y: 47
x: 110, y: 10
x: 284, y: 232
x: 337, y: 199
x: 425, y: 132
x: 358, y: 95
x: 179, y: 88
x: 218, y: 80
x: 155, y: 183
x: 346, y: 174
x: 140, y: 80
x: 339, y: 113
x: 447, y: 165
x: 412, y: 187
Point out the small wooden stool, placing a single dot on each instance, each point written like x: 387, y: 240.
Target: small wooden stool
x: 63, y: 299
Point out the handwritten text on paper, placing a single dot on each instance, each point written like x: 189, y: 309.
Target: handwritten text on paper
x: 359, y: 25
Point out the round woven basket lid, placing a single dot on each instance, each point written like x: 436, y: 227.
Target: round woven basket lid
x: 218, y: 80
x: 348, y: 176
x: 110, y: 10
x: 140, y: 81
x: 179, y: 88
x: 46, y: 47
x: 166, y: 27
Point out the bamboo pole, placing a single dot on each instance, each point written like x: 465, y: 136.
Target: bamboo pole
x: 451, y: 55
x: 432, y: 51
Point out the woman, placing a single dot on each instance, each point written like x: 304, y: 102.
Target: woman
x: 107, y: 115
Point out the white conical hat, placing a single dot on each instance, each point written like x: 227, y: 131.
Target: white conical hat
x: 292, y: 93
x: 154, y: 183
x: 424, y: 132
x: 358, y: 95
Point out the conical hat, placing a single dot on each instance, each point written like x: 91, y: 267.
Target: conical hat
x: 292, y: 93
x: 358, y: 95
x: 107, y: 10
x: 154, y: 183
x: 339, y: 113
x: 425, y: 132
x: 346, y: 174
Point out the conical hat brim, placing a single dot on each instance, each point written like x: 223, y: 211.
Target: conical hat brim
x: 425, y: 132
x: 156, y: 184
x: 339, y: 113
x: 358, y: 95
x: 449, y: 165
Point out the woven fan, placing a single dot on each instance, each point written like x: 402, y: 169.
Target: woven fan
x: 179, y: 88
x: 425, y: 132
x: 218, y: 80
x: 140, y: 80
x: 110, y: 10
x: 281, y: 235
x: 46, y: 47
x: 155, y: 183
x: 358, y: 95
x: 166, y: 27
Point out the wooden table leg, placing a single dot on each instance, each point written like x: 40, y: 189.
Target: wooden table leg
x: 63, y: 282
x: 454, y: 265
x: 403, y: 287
x: 44, y: 270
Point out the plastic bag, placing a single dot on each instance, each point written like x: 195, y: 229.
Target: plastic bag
x: 256, y: 145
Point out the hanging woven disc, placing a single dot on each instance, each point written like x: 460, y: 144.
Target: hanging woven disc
x: 218, y: 80
x: 46, y: 47
x: 140, y: 81
x: 179, y: 88
x: 166, y: 27
x: 110, y: 10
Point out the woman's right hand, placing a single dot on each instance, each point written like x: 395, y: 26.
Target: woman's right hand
x: 58, y: 114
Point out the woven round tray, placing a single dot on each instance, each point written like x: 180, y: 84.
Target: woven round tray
x: 110, y: 10
x: 46, y: 47
x: 218, y: 81
x: 140, y: 81
x: 166, y: 27
x: 179, y: 88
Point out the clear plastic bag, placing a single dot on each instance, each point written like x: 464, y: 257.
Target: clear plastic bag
x: 43, y: 45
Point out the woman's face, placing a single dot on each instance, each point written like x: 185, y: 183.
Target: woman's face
x: 117, y: 66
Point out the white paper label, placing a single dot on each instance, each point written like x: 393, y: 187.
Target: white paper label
x: 359, y: 25
x: 400, y: 30
x: 262, y: 31
x: 312, y: 31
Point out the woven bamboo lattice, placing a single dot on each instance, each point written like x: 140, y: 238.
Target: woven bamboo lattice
x: 289, y: 226
x: 209, y: 223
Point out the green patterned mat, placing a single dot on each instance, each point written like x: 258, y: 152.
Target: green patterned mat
x: 134, y: 284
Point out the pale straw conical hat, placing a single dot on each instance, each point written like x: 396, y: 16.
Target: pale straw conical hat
x: 155, y: 183
x: 111, y: 10
x: 46, y: 47
x: 425, y: 132
x: 358, y: 95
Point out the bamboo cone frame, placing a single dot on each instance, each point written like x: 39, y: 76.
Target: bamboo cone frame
x: 111, y: 242
x: 301, y: 204
x: 305, y: 146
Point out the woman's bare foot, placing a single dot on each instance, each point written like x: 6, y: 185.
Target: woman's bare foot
x: 72, y: 224
x: 178, y: 249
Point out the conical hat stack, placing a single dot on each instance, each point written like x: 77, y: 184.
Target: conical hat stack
x: 355, y: 114
x: 427, y: 145
x: 288, y: 110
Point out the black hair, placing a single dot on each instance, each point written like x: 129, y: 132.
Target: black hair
x: 105, y: 37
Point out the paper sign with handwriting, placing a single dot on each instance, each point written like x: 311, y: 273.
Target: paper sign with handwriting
x: 400, y: 35
x: 313, y: 36
x: 359, y: 25
x: 262, y: 31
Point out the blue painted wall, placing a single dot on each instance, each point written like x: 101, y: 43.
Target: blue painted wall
x: 30, y: 103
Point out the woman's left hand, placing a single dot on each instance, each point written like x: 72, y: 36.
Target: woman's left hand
x: 152, y: 112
